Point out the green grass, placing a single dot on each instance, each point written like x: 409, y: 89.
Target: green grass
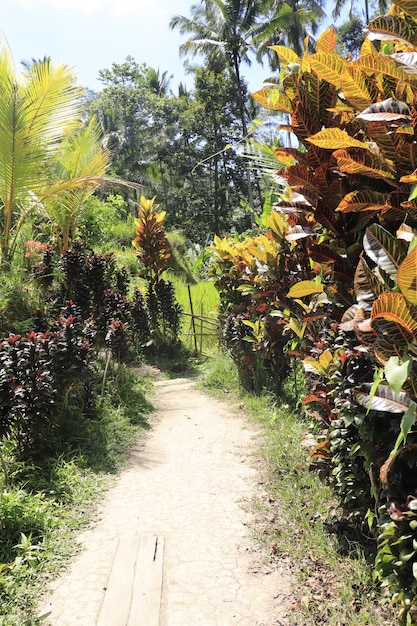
x: 297, y: 518
x: 47, y: 503
x: 205, y: 302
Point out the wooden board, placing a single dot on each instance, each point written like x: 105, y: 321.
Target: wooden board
x: 134, y: 589
x: 117, y: 599
x: 147, y: 587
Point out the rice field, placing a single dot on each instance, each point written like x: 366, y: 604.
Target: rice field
x: 200, y: 300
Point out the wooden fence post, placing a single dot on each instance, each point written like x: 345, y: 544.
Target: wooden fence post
x: 192, y: 318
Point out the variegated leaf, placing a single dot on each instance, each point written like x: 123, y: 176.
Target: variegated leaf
x: 402, y: 317
x: 384, y: 399
x: 304, y: 124
x: 356, y: 87
x: 286, y: 55
x: 411, y: 179
x: 326, y: 42
x: 384, y: 249
x: 409, y: 6
x: 299, y: 232
x: 363, y: 162
x: 301, y: 177
x: 366, y: 285
x: 288, y: 156
x: 273, y: 99
x: 358, y: 201
x: 347, y: 321
x: 363, y: 329
x: 391, y: 28
x: 328, y: 66
x: 334, y: 138
x: 383, y: 64
x: 389, y: 110
x: 407, y: 276
x: 322, y: 96
x: 407, y: 61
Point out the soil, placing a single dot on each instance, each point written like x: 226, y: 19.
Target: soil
x: 190, y: 482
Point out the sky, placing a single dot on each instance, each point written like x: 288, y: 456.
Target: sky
x: 91, y: 35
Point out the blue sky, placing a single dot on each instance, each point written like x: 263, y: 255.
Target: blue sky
x: 92, y: 34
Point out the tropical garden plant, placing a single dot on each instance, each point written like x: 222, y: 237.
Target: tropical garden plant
x: 346, y: 302
x: 153, y: 252
x: 50, y: 159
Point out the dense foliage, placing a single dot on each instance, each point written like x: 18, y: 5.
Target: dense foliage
x: 181, y: 148
x: 331, y: 275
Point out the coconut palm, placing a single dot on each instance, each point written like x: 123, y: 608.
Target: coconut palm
x: 223, y: 28
x: 40, y: 110
x: 288, y: 23
x: 230, y: 30
x: 379, y: 6
x: 157, y: 82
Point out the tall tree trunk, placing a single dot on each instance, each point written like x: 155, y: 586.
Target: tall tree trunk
x: 241, y: 104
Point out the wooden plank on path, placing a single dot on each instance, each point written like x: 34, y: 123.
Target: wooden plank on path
x: 117, y: 600
x: 147, y: 585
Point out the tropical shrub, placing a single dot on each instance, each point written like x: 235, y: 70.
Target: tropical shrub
x: 255, y: 276
x: 347, y: 304
x: 39, y: 375
x: 48, y: 375
x: 97, y: 286
x: 153, y: 252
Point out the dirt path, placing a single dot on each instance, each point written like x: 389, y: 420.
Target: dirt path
x: 185, y: 485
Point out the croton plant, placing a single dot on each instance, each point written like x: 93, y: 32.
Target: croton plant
x: 331, y: 277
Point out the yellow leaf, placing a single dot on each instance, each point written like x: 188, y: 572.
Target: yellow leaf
x: 311, y: 365
x: 305, y: 288
x: 326, y: 42
x: 325, y: 359
x: 365, y: 200
x: 273, y: 99
x: 335, y: 138
x: 328, y: 66
x: 407, y: 276
x: 355, y: 89
x: 276, y: 223
x: 411, y: 179
x: 368, y: 47
x: 383, y: 64
x: 410, y: 6
x: 302, y: 304
x: 285, y: 55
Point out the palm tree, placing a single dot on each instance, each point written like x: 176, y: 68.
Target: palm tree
x: 223, y: 28
x: 381, y: 7
x: 288, y: 23
x: 159, y: 83
x: 229, y: 30
x: 79, y: 167
x: 39, y: 113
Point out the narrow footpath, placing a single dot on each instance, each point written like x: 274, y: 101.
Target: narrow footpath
x: 171, y: 545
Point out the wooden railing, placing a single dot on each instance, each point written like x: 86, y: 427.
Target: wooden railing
x: 200, y: 326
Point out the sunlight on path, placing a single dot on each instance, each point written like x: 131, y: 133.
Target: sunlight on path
x: 184, y: 485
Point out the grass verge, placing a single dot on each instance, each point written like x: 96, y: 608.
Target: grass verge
x: 298, y: 520
x: 47, y: 503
